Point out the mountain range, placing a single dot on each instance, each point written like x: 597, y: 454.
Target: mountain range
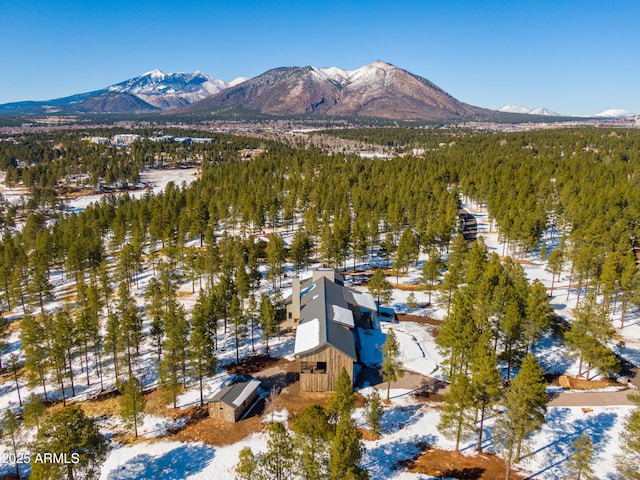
x: 153, y: 91
x: 379, y: 90
x: 528, y: 111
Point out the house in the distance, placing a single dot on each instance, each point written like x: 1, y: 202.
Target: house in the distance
x: 232, y: 401
x: 326, y: 336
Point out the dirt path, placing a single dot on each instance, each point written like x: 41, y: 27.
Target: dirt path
x: 589, y: 399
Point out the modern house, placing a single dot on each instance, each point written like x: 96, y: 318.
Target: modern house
x: 326, y: 336
x: 232, y: 401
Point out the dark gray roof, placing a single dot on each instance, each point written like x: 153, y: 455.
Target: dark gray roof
x: 238, y: 390
x: 317, y: 303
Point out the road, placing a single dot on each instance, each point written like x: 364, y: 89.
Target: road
x: 590, y: 399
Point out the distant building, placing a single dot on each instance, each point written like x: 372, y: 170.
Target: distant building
x: 232, y: 401
x: 326, y: 337
x: 99, y: 140
x: 126, y: 138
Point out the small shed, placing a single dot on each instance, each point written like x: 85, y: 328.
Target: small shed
x: 232, y: 401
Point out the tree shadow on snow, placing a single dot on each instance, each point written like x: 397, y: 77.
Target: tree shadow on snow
x: 382, y: 461
x: 397, y: 418
x: 180, y: 462
x: 563, y: 431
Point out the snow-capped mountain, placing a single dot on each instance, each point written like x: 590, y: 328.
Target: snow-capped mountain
x: 614, y: 113
x: 170, y: 90
x: 525, y: 110
x: 151, y: 91
x: 377, y: 90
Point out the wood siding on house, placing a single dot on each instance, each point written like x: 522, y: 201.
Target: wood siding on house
x: 311, y: 377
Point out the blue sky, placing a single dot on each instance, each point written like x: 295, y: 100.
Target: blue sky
x: 574, y: 57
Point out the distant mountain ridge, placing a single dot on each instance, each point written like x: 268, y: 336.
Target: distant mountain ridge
x: 378, y: 90
x: 524, y: 110
x: 150, y: 92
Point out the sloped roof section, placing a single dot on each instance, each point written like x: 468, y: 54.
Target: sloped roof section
x: 326, y: 318
x: 236, y: 393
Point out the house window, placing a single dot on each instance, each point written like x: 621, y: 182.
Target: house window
x: 313, y: 367
x: 290, y: 315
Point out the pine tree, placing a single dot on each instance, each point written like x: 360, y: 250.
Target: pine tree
x: 457, y: 418
x: 346, y: 452
x: 313, y: 434
x: 431, y: 269
x: 343, y: 399
x: 525, y: 403
x: 202, y: 358
x: 173, y: 365
x: 133, y: 402
x: 485, y: 380
x: 276, y: 255
x: 278, y: 461
x: 380, y: 287
x: 391, y: 364
x: 130, y: 326
x: 579, y: 463
x: 374, y: 412
x: 34, y: 411
x: 627, y: 462
x: 34, y: 344
x: 412, y: 304
x: 69, y: 432
x: 458, y: 334
x: 554, y: 266
x: 301, y: 247
x: 10, y: 432
x: 247, y: 467
x: 267, y: 319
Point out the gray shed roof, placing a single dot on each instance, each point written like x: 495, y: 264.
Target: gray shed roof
x: 236, y: 393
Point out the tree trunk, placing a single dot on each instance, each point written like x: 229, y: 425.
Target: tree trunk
x: 480, y: 432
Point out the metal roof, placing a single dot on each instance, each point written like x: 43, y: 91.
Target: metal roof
x: 234, y: 394
x: 317, y: 305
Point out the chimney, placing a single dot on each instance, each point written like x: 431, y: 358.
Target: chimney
x: 295, y: 299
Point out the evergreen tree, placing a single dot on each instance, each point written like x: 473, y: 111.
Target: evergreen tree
x: 554, y: 266
x: 301, y: 247
x: 374, y: 412
x: 276, y: 255
x: 343, y: 399
x: 313, y: 434
x: 10, y: 432
x: 525, y: 403
x: 412, y: 304
x: 431, y: 269
x: 278, y: 461
x: 202, y: 358
x: 69, y: 432
x: 247, y: 467
x: 627, y: 462
x: 458, y: 335
x: 175, y: 346
x: 133, y: 403
x: 457, y: 419
x: 391, y: 364
x: 579, y: 463
x: 267, y: 319
x: 380, y: 287
x: 34, y: 344
x: 346, y: 452
x: 34, y: 411
x: 485, y: 381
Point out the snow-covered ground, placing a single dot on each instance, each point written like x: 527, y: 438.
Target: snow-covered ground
x: 406, y: 421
